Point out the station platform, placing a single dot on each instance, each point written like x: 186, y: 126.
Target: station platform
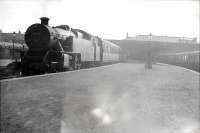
x: 119, y: 98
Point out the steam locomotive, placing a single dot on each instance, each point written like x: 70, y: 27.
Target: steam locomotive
x: 61, y: 48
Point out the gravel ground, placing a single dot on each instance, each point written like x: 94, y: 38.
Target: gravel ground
x: 123, y: 98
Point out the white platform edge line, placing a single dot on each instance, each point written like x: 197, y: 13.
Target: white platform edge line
x: 180, y: 67
x: 87, y: 69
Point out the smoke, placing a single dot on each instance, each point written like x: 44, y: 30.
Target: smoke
x: 44, y: 7
x: 44, y: 4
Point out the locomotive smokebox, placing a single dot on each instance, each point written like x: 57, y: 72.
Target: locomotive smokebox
x: 44, y: 20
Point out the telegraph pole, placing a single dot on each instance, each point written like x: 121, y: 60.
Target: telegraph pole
x: 14, y: 35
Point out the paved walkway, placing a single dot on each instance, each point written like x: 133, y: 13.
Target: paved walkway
x: 122, y: 98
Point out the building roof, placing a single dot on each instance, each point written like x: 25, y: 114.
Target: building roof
x: 156, y: 38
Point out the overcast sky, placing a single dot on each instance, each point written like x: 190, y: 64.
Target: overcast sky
x: 106, y: 18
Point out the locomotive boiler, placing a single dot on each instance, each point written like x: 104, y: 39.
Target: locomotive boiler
x: 61, y: 48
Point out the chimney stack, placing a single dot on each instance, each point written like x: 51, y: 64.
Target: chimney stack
x: 44, y: 20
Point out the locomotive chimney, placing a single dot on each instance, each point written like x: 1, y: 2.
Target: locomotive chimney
x: 44, y: 20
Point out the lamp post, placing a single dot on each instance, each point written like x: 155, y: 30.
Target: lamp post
x: 14, y: 35
x: 149, y: 53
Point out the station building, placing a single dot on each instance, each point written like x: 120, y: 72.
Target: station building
x: 168, y: 39
x: 9, y: 37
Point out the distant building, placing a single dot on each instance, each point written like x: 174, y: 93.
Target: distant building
x: 168, y: 39
x: 8, y: 37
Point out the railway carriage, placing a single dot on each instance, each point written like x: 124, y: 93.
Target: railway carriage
x: 111, y: 51
x: 185, y: 59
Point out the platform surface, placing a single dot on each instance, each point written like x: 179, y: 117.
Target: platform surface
x: 121, y: 98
